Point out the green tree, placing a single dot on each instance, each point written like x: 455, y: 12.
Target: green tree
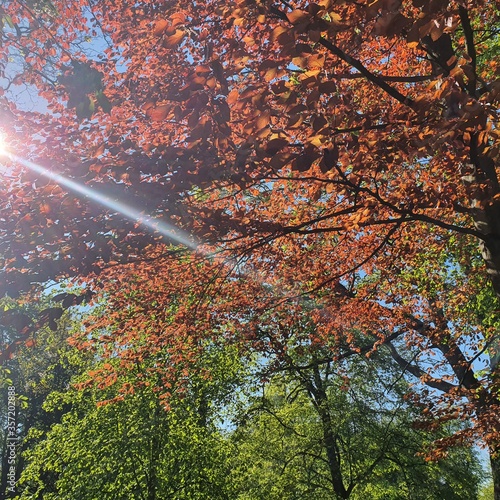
x: 486, y: 492
x: 343, y: 432
x: 44, y: 362
x: 135, y: 446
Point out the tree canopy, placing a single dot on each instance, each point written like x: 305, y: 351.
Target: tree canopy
x: 332, y: 162
x: 272, y: 441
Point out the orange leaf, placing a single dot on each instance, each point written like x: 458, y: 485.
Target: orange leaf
x: 233, y: 97
x: 173, y: 40
x: 179, y: 18
x: 263, y: 120
x: 297, y: 16
x: 160, y: 27
x: 295, y: 121
x: 278, y: 32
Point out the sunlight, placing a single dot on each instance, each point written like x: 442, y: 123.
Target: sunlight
x: 4, y: 155
x: 127, y: 211
x: 3, y: 145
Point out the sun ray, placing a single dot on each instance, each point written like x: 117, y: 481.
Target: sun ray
x: 127, y: 211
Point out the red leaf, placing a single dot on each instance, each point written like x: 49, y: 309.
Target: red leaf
x: 159, y: 113
x: 298, y: 16
x: 160, y: 27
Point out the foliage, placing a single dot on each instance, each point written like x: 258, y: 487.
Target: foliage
x: 44, y: 363
x: 486, y: 492
x: 280, y: 455
x: 114, y: 446
x: 380, y: 450
x: 337, y: 158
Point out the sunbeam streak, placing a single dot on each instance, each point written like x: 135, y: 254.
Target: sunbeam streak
x: 145, y: 220
x: 127, y: 211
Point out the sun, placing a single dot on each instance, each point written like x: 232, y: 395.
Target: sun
x: 3, y: 145
x: 5, y: 156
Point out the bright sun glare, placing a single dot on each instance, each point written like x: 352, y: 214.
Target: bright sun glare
x: 4, y: 156
x: 3, y: 145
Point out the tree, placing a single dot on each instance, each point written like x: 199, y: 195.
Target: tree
x: 345, y: 152
x: 123, y: 436
x: 486, y: 492
x: 113, y: 446
x: 176, y: 309
x: 44, y: 363
x: 282, y: 453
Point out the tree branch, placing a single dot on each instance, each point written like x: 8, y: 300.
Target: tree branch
x: 377, y: 80
x: 385, y: 78
x: 416, y: 371
x: 355, y: 63
x: 471, y: 48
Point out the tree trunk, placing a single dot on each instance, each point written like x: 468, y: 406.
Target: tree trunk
x: 332, y: 453
x: 486, y: 216
x: 319, y: 399
x: 155, y: 444
x: 495, y: 472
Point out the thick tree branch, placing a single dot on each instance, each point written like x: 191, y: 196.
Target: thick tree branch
x: 471, y: 48
x: 486, y: 214
x: 290, y: 366
x: 449, y: 348
x: 377, y: 80
x: 459, y: 364
x: 355, y: 63
x: 416, y: 371
x: 385, y: 78
x: 445, y: 225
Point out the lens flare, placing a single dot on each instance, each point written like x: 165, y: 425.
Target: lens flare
x: 3, y: 146
x: 5, y: 164
x: 165, y: 229
x: 127, y: 211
